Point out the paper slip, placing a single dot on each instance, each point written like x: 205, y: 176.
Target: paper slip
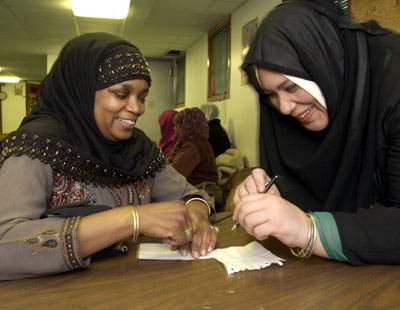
x: 238, y: 258
x: 162, y: 251
x: 250, y: 257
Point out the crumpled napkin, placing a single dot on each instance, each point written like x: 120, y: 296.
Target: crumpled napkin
x: 250, y: 257
x: 236, y: 258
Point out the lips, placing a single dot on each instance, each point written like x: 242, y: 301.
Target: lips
x: 303, y: 117
x: 126, y: 122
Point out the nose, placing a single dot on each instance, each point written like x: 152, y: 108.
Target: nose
x: 135, y: 106
x: 286, y: 104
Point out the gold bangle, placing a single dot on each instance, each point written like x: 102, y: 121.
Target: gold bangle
x: 135, y: 218
x: 308, y: 249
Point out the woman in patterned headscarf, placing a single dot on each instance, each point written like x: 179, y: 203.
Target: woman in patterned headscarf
x: 193, y: 155
x: 168, y: 135
x: 80, y: 148
x: 329, y: 92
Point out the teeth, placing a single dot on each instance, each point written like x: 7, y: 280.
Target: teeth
x: 305, y: 112
x: 127, y: 121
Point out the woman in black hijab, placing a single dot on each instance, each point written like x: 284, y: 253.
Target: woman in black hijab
x: 329, y: 94
x: 80, y: 148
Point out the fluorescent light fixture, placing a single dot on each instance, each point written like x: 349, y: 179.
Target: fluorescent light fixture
x: 116, y: 9
x: 9, y: 79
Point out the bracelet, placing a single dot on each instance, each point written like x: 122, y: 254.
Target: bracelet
x: 135, y: 218
x: 202, y: 200
x: 311, y: 239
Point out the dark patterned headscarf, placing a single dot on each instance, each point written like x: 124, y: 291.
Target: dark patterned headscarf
x: 193, y: 125
x: 62, y: 130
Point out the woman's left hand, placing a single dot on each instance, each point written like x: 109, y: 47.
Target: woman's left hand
x: 204, y: 235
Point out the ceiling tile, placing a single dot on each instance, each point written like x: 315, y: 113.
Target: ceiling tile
x: 31, y: 29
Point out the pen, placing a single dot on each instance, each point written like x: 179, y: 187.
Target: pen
x: 267, y: 187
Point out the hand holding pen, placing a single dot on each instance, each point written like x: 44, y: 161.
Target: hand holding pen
x: 267, y: 187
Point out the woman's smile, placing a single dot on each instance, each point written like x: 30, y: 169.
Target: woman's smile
x: 305, y: 116
x: 290, y: 99
x: 126, y: 122
x: 118, y: 107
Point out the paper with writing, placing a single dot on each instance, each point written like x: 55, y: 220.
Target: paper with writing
x: 237, y: 258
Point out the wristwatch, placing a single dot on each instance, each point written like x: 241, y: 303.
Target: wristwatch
x: 3, y: 95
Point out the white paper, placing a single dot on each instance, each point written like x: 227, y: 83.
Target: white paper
x: 162, y: 251
x: 253, y: 256
x: 238, y: 258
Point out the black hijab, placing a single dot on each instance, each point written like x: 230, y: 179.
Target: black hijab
x: 332, y: 169
x: 62, y: 130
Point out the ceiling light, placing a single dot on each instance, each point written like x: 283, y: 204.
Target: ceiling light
x: 117, y: 9
x: 9, y: 79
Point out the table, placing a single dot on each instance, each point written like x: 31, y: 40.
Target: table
x: 127, y: 283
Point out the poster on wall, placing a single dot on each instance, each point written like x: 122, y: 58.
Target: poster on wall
x: 248, y: 33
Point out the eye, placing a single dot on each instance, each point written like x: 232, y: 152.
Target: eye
x: 142, y: 99
x: 291, y: 88
x: 142, y: 96
x: 120, y: 95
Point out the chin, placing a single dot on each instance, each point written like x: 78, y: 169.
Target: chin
x: 121, y: 137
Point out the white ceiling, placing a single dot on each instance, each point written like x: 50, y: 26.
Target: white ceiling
x: 32, y: 29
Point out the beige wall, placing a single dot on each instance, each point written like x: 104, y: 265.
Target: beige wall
x: 239, y: 114
x: 158, y: 100
x: 14, y: 107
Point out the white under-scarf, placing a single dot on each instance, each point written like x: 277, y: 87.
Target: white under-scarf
x: 309, y: 86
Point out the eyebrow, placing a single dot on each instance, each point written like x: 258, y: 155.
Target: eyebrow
x: 128, y: 86
x: 280, y: 86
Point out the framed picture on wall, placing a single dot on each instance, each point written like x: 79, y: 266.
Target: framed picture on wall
x: 248, y: 33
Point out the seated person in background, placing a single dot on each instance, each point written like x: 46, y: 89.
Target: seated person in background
x: 168, y: 135
x: 192, y: 155
x: 218, y: 138
x: 81, y: 146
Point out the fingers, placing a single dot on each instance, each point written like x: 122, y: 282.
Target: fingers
x: 257, y: 224
x: 184, y: 249
x: 265, y: 215
x: 255, y: 210
x: 260, y: 178
x: 181, y: 235
x: 167, y: 220
x: 245, y: 200
x: 204, y: 240
x: 179, y: 226
x: 254, y: 183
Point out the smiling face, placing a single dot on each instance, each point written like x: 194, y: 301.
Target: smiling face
x: 289, y: 99
x: 117, y: 108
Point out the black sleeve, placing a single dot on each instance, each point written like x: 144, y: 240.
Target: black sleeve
x: 372, y: 236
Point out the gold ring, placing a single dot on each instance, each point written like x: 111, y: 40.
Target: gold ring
x: 215, y: 227
x: 188, y: 230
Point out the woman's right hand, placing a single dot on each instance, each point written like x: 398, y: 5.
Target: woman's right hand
x: 165, y: 220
